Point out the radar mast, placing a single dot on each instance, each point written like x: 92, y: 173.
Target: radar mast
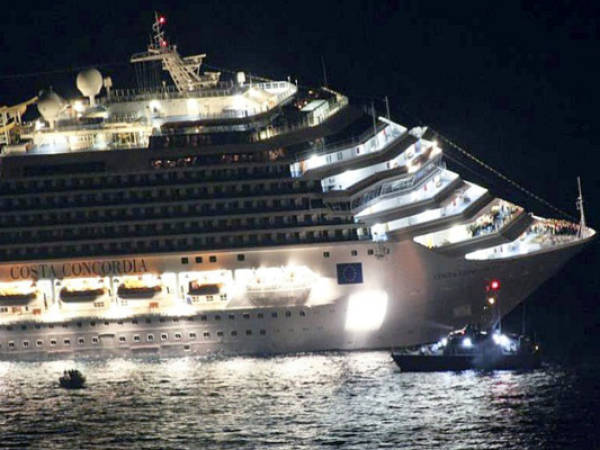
x: 185, y: 72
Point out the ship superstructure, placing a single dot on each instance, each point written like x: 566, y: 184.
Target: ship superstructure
x: 244, y: 216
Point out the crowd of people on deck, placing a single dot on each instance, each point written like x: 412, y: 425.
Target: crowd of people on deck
x: 494, y: 220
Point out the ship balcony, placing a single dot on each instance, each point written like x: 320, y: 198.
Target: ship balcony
x: 499, y: 222
x: 352, y: 150
x: 541, y: 235
x: 464, y: 201
x: 409, y: 161
x: 430, y: 191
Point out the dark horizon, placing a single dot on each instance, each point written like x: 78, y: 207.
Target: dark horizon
x: 515, y: 84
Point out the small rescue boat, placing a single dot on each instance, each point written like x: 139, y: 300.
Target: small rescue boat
x: 471, y: 348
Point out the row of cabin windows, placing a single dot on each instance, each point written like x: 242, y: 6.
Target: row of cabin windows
x: 185, y: 181
x: 203, y: 175
x: 136, y: 338
x: 198, y: 193
x: 148, y: 320
x: 370, y: 251
x: 162, y: 211
x: 83, y: 232
x: 182, y: 243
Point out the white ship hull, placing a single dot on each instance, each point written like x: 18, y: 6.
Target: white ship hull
x: 425, y: 294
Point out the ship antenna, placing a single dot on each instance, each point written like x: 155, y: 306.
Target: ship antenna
x: 580, y: 209
x: 324, y: 71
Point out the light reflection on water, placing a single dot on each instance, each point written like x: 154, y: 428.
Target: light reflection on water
x: 354, y: 400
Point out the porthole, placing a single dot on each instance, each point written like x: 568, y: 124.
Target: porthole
x: 177, y: 335
x: 136, y: 338
x: 39, y: 343
x: 67, y: 341
x: 219, y: 333
x: 288, y: 314
x: 164, y: 336
x: 234, y: 333
x: 25, y: 344
x: 150, y: 338
x: 80, y: 341
x: 248, y: 332
x: 94, y: 340
x: 192, y: 335
x: 206, y: 334
x: 263, y: 332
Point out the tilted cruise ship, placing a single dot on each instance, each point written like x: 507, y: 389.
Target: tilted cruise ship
x: 244, y: 216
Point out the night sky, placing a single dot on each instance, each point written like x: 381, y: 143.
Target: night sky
x: 515, y: 83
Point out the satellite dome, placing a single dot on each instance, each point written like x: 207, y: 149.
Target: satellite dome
x: 49, y: 105
x: 89, y: 82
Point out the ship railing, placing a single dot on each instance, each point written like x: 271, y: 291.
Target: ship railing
x: 283, y: 89
x: 368, y: 142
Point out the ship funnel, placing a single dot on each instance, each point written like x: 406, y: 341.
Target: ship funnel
x: 89, y: 83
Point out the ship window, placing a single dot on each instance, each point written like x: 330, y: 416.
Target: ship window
x: 150, y: 338
x: 263, y: 332
x: 122, y: 339
x: 39, y: 343
x: 192, y: 335
x: 198, y: 259
x: 94, y: 340
x: 288, y: 314
x: 248, y: 332
x: 106, y: 323
x: 219, y: 333
x: 11, y: 344
x: 212, y: 259
x: 134, y: 321
x: 223, y: 296
x: 148, y: 320
x: 136, y: 338
x: 302, y: 313
x: 67, y: 341
x: 92, y: 324
x: 241, y: 257
x: 234, y: 333
x: 206, y: 334
x: 274, y: 315
x: 217, y: 317
x: 184, y: 260
x: 177, y: 335
x: 325, y: 254
x: 246, y: 316
x: 231, y: 316
x: 25, y: 344
x: 164, y: 337
x: 80, y: 341
x: 79, y: 324
x: 203, y: 318
x: 353, y: 253
x: 370, y: 251
x: 260, y: 315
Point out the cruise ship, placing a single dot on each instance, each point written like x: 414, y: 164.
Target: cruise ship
x: 231, y: 214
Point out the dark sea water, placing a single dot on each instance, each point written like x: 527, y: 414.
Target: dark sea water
x: 348, y: 400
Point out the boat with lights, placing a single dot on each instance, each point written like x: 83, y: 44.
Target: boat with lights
x: 471, y: 348
x: 216, y: 211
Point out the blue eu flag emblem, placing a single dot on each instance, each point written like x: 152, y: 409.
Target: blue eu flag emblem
x: 350, y: 273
